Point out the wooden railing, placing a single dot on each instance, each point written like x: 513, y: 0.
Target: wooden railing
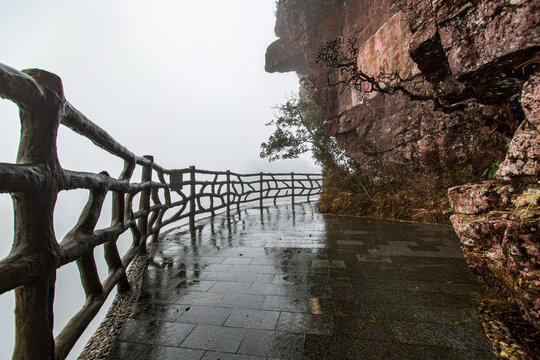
x: 35, y: 180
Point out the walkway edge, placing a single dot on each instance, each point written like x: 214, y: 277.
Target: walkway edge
x: 102, y: 341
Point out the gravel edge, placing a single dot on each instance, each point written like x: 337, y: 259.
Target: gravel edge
x: 500, y: 329
x: 101, y: 343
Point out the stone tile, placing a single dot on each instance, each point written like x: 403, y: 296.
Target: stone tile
x: 452, y: 336
x: 253, y: 319
x: 373, y: 259
x: 200, y: 298
x: 417, y: 313
x: 335, y: 264
x: 366, y: 329
x: 319, y: 290
x: 165, y: 295
x: 319, y: 347
x: 365, y: 289
x: 341, y: 283
x: 258, y: 278
x: 124, y: 350
x: 230, y: 287
x: 263, y: 261
x: 240, y: 301
x: 204, y: 315
x: 286, y: 279
x: 171, y: 353
x: 218, y: 276
x: 237, y: 260
x: 284, y: 303
x: 334, y: 306
x: 212, y: 355
x: 195, y: 285
x: 202, y: 260
x: 305, y: 323
x: 267, y: 289
x: 380, y: 296
x: 157, y: 311
x: 397, y: 351
x: 272, y: 344
x: 269, y: 269
x: 218, y: 268
x: 249, y: 269
x: 349, y: 242
x: 214, y: 338
x: 155, y: 332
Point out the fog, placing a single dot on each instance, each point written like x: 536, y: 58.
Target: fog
x: 181, y: 80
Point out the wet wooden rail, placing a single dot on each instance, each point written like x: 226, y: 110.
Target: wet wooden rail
x: 35, y: 180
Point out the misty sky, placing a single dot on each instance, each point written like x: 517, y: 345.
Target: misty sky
x: 181, y: 80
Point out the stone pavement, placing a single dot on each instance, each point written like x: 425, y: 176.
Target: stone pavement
x: 284, y: 284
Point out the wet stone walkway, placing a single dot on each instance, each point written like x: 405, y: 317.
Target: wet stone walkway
x: 284, y: 284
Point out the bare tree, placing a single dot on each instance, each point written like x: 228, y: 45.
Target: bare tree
x: 341, y: 60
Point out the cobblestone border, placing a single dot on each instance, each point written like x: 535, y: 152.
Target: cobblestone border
x: 500, y: 325
x: 101, y: 343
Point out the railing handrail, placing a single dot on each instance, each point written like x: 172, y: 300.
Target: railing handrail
x: 36, y: 179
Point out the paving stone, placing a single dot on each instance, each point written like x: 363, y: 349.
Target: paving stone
x: 237, y: 260
x: 305, y: 323
x: 267, y: 289
x: 204, y: 315
x: 361, y: 328
x: 194, y: 285
x: 415, y: 313
x: 263, y: 261
x: 200, y: 298
x: 215, y: 338
x: 251, y: 278
x: 230, y: 287
x: 397, y: 351
x: 155, y: 332
x: 272, y: 344
x: 338, y: 264
x: 319, y: 347
x: 124, y: 350
x: 157, y: 311
x: 219, y: 276
x: 212, y: 355
x: 336, y: 306
x: 312, y: 286
x: 285, y: 303
x: 253, y: 319
x: 171, y: 353
x: 199, y: 260
x: 452, y: 336
x: 241, y: 301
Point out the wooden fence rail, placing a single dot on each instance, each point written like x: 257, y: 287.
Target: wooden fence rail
x: 35, y: 180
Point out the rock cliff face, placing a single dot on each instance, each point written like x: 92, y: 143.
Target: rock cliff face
x: 477, y: 59
x: 497, y: 221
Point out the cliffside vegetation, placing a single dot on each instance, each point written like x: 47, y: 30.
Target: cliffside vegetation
x: 299, y: 129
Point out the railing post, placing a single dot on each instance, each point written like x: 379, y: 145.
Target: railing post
x: 228, y: 192
x: 261, y: 190
x: 292, y: 187
x: 192, y: 196
x: 310, y: 188
x: 144, y: 204
x: 34, y: 237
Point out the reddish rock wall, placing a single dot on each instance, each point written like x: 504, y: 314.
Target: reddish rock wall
x: 475, y: 57
x: 387, y: 135
x: 498, y: 221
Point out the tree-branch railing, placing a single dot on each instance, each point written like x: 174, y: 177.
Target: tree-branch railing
x: 36, y: 179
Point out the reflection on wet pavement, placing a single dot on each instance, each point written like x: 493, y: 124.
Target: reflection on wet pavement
x: 284, y: 284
